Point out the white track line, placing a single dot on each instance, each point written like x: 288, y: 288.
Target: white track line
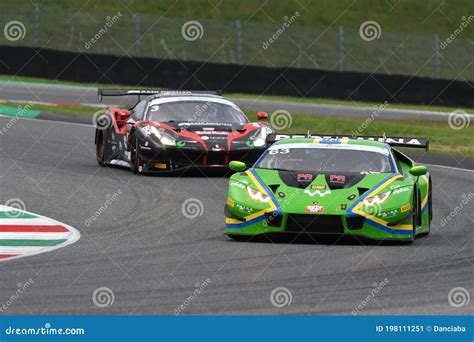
x: 33, y: 236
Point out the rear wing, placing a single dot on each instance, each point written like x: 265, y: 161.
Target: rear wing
x: 413, y: 142
x: 147, y: 92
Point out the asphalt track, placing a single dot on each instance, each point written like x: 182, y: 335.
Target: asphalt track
x: 153, y: 258
x: 87, y: 95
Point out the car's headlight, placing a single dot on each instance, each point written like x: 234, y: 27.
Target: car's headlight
x: 257, y: 195
x: 260, y: 139
x: 377, y: 199
x: 165, y: 138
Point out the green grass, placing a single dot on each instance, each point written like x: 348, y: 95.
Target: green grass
x: 420, y: 16
x: 81, y: 110
x: 405, y: 45
x: 247, y: 96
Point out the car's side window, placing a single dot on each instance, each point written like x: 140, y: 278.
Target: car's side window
x: 138, y: 110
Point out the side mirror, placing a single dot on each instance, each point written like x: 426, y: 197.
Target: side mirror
x: 237, y: 166
x: 418, y: 170
x: 262, y: 116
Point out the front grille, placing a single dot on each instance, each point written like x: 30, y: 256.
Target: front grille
x: 216, y: 158
x: 326, y: 224
x: 273, y: 220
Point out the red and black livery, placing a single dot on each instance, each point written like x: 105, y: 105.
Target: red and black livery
x: 173, y: 130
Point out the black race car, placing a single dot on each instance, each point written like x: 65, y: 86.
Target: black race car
x: 173, y: 130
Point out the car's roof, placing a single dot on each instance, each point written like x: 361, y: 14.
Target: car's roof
x: 350, y: 144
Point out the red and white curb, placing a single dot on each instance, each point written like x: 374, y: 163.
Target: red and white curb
x: 24, y: 234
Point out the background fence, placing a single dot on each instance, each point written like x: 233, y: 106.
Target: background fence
x: 219, y: 41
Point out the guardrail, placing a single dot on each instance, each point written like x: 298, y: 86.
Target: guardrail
x: 174, y: 74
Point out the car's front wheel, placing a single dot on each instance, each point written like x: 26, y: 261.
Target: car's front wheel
x: 100, y: 148
x: 134, y: 157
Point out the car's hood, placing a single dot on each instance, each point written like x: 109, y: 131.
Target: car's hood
x: 330, y: 193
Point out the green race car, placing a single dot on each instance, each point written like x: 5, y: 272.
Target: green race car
x: 338, y: 186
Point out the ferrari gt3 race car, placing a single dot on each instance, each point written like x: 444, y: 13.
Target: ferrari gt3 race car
x: 332, y: 185
x: 173, y: 130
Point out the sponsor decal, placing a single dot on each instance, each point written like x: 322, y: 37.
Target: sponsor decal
x: 304, y: 177
x: 281, y: 194
x: 318, y: 187
x: 388, y: 140
x: 351, y: 197
x: 180, y: 144
x: 314, y: 209
x: 230, y: 202
x: 147, y: 130
x: 317, y: 192
x: 339, y: 179
x: 160, y: 165
x: 244, y: 208
x: 388, y: 214
x: 206, y: 124
x: 249, y: 143
x: 217, y: 148
x: 204, y: 137
x: 212, y: 132
x: 400, y: 190
x: 406, y: 208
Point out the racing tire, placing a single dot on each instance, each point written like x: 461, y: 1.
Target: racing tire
x: 100, y: 148
x: 415, y: 213
x: 430, y: 208
x: 134, y: 158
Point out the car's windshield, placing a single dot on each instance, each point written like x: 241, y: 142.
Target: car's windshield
x: 325, y: 160
x: 196, y: 111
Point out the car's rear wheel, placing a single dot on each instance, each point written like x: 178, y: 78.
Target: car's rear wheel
x: 134, y: 158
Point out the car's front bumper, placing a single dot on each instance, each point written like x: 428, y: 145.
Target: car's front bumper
x: 318, y: 224
x: 174, y: 158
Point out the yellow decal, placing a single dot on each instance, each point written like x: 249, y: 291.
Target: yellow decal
x: 160, y: 166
